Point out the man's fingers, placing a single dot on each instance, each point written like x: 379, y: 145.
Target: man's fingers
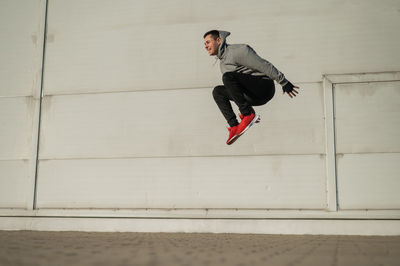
x: 293, y: 92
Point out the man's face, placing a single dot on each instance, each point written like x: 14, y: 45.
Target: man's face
x: 212, y: 45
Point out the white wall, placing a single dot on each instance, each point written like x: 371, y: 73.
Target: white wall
x: 368, y: 144
x: 128, y: 120
x: 21, y: 42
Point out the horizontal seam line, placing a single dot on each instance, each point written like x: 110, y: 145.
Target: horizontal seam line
x: 183, y: 156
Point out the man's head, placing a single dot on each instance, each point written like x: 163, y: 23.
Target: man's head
x: 212, y: 41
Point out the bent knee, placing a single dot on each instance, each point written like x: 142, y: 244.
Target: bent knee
x: 218, y: 91
x: 227, y: 76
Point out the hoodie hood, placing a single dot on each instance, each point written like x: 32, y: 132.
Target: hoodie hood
x: 221, y: 49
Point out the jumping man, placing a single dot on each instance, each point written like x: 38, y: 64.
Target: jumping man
x: 248, y: 81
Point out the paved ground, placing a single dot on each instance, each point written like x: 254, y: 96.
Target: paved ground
x: 78, y: 248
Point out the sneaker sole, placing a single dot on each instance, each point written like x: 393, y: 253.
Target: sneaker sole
x: 256, y: 119
x: 233, y: 140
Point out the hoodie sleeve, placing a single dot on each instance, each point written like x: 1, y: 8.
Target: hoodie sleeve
x: 247, y: 57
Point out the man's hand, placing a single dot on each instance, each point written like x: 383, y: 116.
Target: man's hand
x: 289, y: 89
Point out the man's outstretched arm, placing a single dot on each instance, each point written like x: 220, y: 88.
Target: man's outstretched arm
x: 249, y: 58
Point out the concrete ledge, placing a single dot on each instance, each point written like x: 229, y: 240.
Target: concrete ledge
x: 265, y: 214
x: 240, y: 226
x: 362, y: 77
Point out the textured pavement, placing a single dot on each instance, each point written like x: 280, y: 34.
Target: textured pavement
x: 81, y: 248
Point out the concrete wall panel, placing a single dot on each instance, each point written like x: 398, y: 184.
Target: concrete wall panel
x: 367, y: 117
x: 128, y: 119
x: 174, y: 123
x: 21, y: 53
x: 195, y: 182
x: 369, y: 181
x: 21, y: 38
x: 16, y: 124
x: 14, y: 184
x: 367, y: 138
x: 97, y: 46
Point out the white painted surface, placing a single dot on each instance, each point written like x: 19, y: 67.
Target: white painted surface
x: 363, y: 77
x: 17, y: 139
x: 19, y: 117
x: 296, y: 182
x: 369, y: 181
x: 132, y: 45
x: 314, y: 227
x: 14, y: 183
x: 367, y: 117
x: 16, y: 123
x: 128, y: 94
x: 21, y: 41
x: 174, y: 123
x: 97, y: 46
x: 206, y: 213
x: 21, y: 38
x: 368, y: 144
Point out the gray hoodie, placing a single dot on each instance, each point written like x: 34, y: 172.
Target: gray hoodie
x: 243, y: 59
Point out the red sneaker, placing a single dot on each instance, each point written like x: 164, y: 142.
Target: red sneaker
x: 257, y: 121
x: 246, y: 123
x: 232, y: 135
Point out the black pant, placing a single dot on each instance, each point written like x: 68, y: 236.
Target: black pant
x: 245, y: 90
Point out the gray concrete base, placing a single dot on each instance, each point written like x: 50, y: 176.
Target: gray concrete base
x: 83, y: 248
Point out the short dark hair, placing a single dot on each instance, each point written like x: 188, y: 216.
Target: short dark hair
x: 214, y: 34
